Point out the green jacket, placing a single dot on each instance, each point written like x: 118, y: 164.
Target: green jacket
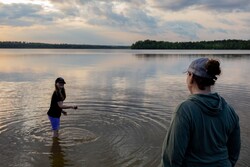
x: 204, y: 132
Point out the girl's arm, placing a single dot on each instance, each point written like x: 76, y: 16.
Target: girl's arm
x: 62, y: 106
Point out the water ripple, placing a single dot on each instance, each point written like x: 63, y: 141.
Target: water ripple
x: 122, y: 129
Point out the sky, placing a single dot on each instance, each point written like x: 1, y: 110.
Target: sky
x: 123, y: 22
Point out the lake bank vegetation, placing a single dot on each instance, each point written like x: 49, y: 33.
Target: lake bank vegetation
x: 32, y: 45
x: 146, y: 44
x: 217, y: 44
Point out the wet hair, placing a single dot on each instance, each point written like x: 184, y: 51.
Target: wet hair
x: 213, y: 69
x: 60, y: 92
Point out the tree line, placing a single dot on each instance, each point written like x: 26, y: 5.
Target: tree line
x: 17, y: 44
x: 217, y: 44
x: 146, y: 44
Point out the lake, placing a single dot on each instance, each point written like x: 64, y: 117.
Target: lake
x: 125, y: 99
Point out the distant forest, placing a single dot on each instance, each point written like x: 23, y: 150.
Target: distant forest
x: 219, y: 44
x: 32, y: 45
x: 146, y: 44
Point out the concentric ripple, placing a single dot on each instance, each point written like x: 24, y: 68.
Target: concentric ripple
x: 71, y: 136
x: 125, y: 134
x: 115, y: 133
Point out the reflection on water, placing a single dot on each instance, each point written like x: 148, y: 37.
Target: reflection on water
x: 57, y: 156
x: 222, y: 55
x: 125, y: 101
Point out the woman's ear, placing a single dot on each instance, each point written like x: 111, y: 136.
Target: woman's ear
x: 191, y: 78
x: 190, y: 82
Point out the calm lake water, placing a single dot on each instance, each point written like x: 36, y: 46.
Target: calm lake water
x: 125, y: 99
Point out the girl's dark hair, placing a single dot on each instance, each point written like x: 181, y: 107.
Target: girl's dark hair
x: 61, y: 92
x: 213, y: 69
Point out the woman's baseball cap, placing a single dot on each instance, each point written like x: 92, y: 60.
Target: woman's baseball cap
x: 198, y: 68
x: 60, y: 80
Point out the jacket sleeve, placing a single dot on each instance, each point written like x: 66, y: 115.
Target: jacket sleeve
x: 177, y: 139
x: 234, y: 143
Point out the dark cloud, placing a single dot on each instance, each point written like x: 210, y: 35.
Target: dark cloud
x: 24, y: 15
x: 173, y: 5
x: 184, y: 29
x: 132, y: 20
x: 212, y: 5
x: 218, y: 30
x: 227, y: 22
x: 143, y: 22
x: 191, y: 30
x: 68, y: 8
x: 105, y: 15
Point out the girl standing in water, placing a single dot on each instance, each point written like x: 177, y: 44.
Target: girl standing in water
x: 57, y: 106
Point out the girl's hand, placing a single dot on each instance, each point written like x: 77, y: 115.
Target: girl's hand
x: 64, y: 113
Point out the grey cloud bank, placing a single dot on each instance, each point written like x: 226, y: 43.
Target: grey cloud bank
x: 209, y: 5
x: 25, y: 15
x: 141, y: 19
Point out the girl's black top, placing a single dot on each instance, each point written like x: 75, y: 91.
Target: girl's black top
x: 54, y: 110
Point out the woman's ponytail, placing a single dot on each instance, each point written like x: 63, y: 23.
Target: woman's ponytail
x: 213, y: 68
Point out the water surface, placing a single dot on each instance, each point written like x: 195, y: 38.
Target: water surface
x: 125, y: 99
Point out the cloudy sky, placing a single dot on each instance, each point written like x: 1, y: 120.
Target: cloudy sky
x: 123, y: 22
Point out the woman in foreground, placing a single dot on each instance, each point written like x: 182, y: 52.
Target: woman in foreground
x: 204, y: 130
